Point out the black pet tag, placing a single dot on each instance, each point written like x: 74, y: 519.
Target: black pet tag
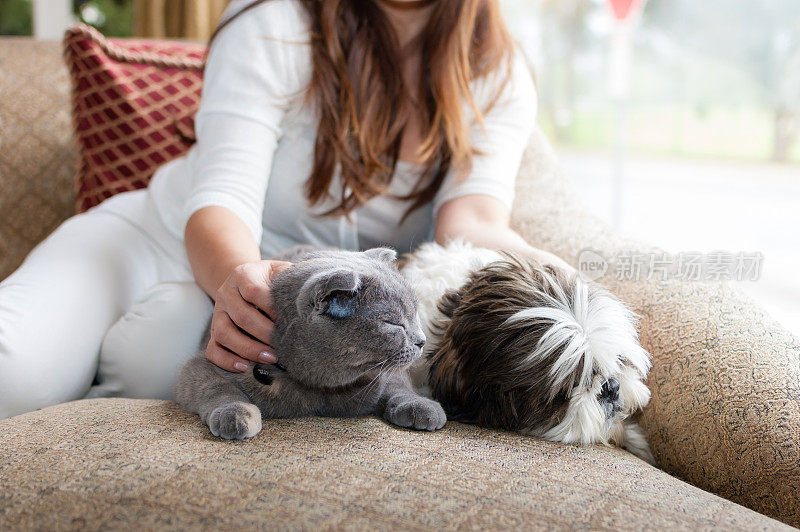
x: 262, y: 374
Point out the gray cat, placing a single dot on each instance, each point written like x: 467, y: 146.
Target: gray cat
x: 346, y: 327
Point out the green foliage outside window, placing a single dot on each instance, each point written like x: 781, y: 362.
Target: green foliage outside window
x: 15, y: 17
x: 112, y: 17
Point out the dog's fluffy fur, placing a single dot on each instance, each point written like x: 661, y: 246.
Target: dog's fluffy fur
x: 516, y: 345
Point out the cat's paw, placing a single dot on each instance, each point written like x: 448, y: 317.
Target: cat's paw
x: 235, y: 421
x: 415, y: 412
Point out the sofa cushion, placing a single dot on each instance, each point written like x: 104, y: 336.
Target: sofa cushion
x: 113, y: 463
x: 131, y: 98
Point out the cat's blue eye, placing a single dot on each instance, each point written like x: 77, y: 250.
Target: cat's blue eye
x: 341, y: 307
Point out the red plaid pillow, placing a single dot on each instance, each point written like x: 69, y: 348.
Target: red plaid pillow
x: 131, y: 98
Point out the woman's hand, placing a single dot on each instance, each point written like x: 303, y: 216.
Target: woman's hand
x: 242, y: 322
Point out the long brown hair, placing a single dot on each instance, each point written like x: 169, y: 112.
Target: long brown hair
x: 363, y: 100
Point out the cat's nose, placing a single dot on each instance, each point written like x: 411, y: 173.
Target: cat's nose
x: 417, y: 335
x: 419, y: 339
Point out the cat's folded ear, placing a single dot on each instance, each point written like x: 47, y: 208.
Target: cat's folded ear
x: 331, y: 292
x: 385, y: 254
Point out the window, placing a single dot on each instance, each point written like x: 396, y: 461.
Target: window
x: 705, y: 146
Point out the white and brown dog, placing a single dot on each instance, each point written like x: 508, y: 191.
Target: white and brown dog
x: 516, y: 345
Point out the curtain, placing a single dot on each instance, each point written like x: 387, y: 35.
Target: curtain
x: 182, y: 19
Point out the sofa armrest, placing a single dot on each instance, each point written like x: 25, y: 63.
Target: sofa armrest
x: 725, y: 407
x: 39, y: 157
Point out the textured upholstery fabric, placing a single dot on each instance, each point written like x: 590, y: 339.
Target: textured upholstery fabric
x: 106, y: 464
x: 37, y: 157
x: 725, y: 407
x: 129, y: 96
x: 725, y: 412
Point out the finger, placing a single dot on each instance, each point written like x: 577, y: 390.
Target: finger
x: 249, y: 319
x: 229, y: 336
x: 224, y: 359
x: 277, y: 266
x: 258, y: 292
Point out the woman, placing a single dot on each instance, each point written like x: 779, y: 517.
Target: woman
x: 347, y: 123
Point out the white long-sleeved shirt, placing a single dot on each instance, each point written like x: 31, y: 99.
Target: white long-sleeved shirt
x: 255, y: 145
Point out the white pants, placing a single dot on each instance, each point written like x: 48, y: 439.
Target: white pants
x: 108, y: 298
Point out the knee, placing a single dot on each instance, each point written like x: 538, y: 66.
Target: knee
x: 46, y: 358
x: 144, y: 350
x: 17, y: 396
x: 23, y: 386
x: 30, y: 376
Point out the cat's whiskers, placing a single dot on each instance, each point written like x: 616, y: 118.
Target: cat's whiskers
x: 371, y: 384
x: 394, y: 364
x: 377, y: 376
x: 376, y: 365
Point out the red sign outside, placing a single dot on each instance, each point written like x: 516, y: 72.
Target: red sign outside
x: 622, y: 9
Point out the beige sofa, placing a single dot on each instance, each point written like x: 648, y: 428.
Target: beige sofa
x: 724, y: 421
